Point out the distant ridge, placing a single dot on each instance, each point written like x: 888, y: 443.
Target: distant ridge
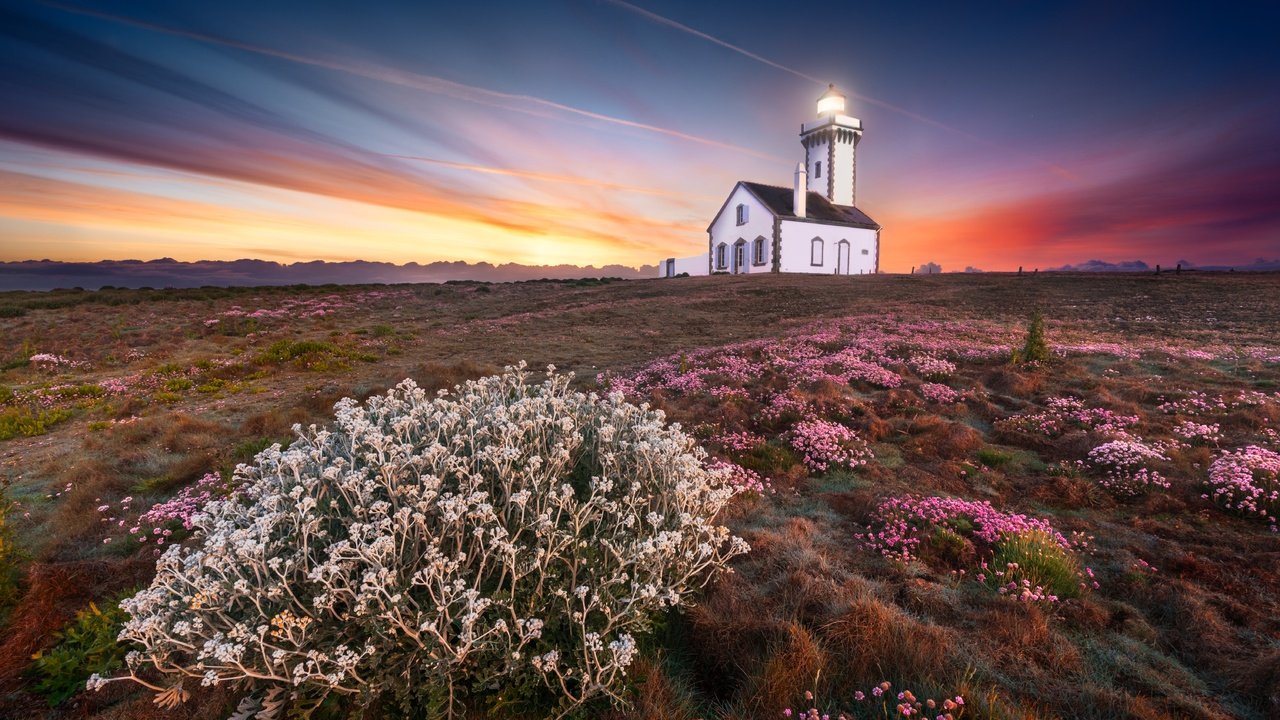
x: 167, y: 272
x: 1259, y: 265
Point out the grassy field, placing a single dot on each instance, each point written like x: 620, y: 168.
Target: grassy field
x: 1167, y: 602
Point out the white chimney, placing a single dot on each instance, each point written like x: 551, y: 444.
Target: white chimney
x: 800, y: 200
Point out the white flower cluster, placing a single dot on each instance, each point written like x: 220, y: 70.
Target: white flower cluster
x: 510, y: 532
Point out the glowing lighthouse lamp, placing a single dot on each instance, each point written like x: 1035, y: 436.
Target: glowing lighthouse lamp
x: 831, y: 103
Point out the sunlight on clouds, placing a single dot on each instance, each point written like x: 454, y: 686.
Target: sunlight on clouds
x: 143, y: 225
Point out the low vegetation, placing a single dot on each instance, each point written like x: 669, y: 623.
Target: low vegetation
x: 87, y: 646
x: 939, y: 527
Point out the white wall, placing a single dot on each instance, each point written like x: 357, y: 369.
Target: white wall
x: 727, y: 230
x: 696, y: 265
x: 818, y: 154
x: 796, y: 242
x: 843, y: 176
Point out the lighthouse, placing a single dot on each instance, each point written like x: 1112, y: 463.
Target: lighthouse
x: 811, y: 227
x: 831, y: 149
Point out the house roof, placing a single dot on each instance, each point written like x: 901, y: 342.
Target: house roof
x: 818, y: 208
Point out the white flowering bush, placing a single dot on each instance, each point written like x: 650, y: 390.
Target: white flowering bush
x: 512, y: 534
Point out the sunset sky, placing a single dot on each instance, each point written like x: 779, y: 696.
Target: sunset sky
x: 594, y: 131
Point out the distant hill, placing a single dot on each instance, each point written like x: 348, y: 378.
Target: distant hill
x: 167, y: 272
x: 1259, y: 265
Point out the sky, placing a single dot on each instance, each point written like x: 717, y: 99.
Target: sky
x: 596, y: 132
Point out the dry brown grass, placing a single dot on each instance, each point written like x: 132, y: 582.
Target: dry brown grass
x: 936, y: 437
x: 53, y: 594
x: 1196, y: 640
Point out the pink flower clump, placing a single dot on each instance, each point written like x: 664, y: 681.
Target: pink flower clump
x: 1123, y: 464
x: 824, y: 444
x: 180, y: 509
x: 1068, y: 413
x: 1247, y: 481
x: 939, y: 393
x: 902, y: 523
x: 742, y: 478
x: 738, y: 441
x: 1193, y: 432
x: 909, y: 705
x: 930, y: 366
x: 51, y: 361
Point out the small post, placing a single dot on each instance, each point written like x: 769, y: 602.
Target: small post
x: 1157, y: 269
x: 1019, y: 271
x: 1178, y: 270
x: 913, y: 269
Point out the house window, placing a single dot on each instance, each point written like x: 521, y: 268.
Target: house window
x: 817, y: 170
x: 720, y: 256
x: 865, y: 252
x: 742, y: 214
x: 815, y: 251
x: 758, y: 250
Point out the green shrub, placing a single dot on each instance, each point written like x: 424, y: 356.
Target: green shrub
x: 87, y: 390
x: 177, y: 384
x: 1042, y: 561
x: 769, y: 459
x: 6, y: 394
x: 213, y: 386
x: 167, y: 369
x: 383, y: 330
x: 994, y: 458
x: 28, y: 423
x: 1036, y: 348
x: 87, y: 645
x: 12, y: 311
x: 249, y: 449
x: 306, y: 354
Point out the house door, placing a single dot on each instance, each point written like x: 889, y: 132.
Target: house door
x: 739, y: 257
x: 842, y: 258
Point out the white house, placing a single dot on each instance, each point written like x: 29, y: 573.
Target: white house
x: 770, y: 228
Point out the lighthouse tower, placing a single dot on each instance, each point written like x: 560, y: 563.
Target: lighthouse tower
x: 830, y: 149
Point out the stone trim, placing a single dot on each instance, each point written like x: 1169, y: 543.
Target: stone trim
x: 853, y: 195
x: 777, y: 244
x: 821, y: 244
x: 831, y: 166
x: 877, y: 265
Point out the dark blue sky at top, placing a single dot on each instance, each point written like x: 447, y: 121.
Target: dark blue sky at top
x: 1030, y: 109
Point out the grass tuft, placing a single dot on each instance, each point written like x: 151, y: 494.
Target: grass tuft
x: 1041, y: 561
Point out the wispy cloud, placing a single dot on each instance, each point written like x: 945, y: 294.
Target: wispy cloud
x: 437, y: 85
x: 552, y: 178
x: 668, y: 22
